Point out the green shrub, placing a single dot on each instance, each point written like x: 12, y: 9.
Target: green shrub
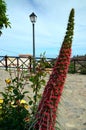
x: 71, y: 68
x: 83, y: 69
x: 15, y: 112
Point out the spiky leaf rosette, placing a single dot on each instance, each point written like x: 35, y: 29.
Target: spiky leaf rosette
x: 46, y: 114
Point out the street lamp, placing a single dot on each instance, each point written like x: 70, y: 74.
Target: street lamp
x: 33, y: 18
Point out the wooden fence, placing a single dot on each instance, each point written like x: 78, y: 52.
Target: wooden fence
x: 25, y: 62
x: 15, y: 62
x: 78, y: 64
x: 21, y: 62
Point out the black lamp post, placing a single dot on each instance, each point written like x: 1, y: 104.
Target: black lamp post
x: 33, y: 18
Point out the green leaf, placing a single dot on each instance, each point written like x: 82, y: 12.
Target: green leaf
x: 30, y: 102
x: 20, y: 96
x: 15, y: 91
x: 3, y: 94
x: 39, y: 96
x: 31, y: 79
x: 35, y: 97
x: 15, y: 79
x: 42, y: 82
x: 25, y: 92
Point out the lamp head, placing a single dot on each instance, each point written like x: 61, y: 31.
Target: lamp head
x: 33, y: 17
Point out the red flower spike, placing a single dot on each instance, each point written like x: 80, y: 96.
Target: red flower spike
x: 46, y: 114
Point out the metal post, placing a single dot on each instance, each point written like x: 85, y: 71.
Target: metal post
x: 6, y: 64
x: 33, y: 18
x: 33, y: 26
x: 30, y: 60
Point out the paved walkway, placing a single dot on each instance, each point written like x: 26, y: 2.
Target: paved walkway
x: 73, y: 104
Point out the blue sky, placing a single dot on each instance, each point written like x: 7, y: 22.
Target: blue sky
x: 50, y: 27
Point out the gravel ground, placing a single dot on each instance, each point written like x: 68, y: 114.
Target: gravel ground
x: 73, y: 104
x: 72, y: 110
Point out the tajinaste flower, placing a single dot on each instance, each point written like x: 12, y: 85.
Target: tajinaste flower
x: 46, y: 113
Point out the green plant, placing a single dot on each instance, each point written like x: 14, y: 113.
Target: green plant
x: 15, y: 112
x: 71, y: 68
x: 83, y: 69
x: 37, y: 82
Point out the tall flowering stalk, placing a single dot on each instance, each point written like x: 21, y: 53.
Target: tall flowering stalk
x: 46, y: 114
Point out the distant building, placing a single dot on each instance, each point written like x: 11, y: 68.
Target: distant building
x: 25, y: 55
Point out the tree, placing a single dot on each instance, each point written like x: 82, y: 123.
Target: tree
x: 4, y: 20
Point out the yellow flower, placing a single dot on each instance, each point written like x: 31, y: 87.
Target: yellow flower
x: 1, y: 101
x: 8, y: 81
x: 26, y: 107
x: 24, y: 103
